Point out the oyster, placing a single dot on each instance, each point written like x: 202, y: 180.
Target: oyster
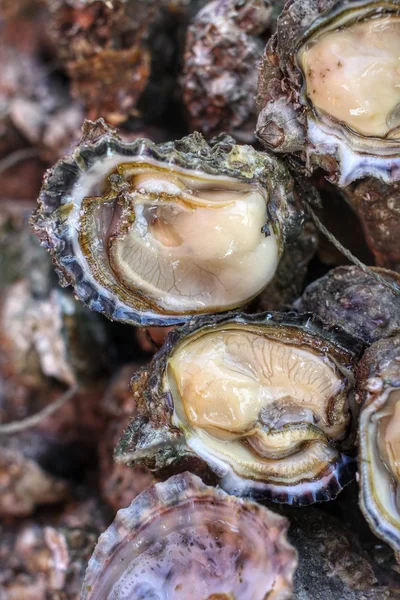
x: 265, y: 401
x: 333, y: 56
x: 356, y: 301
x: 219, y: 80
x: 329, y: 92
x: 182, y: 539
x: 378, y: 384
x: 152, y: 234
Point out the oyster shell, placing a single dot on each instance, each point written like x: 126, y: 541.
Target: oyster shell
x: 152, y: 234
x: 183, y: 539
x: 328, y: 91
x: 219, y: 80
x: 332, y: 55
x: 356, y: 301
x: 378, y: 384
x: 265, y: 401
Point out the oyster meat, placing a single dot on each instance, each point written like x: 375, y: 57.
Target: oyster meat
x: 265, y: 401
x: 152, y: 234
x: 379, y: 439
x: 329, y: 92
x: 182, y: 539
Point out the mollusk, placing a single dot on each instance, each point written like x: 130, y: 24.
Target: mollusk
x: 182, y: 539
x: 265, y: 401
x: 355, y: 300
x: 152, y: 234
x: 378, y: 384
x: 333, y: 56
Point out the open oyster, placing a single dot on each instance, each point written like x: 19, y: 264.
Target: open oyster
x: 379, y: 439
x: 329, y: 92
x: 341, y: 64
x: 152, y: 234
x: 182, y: 539
x: 265, y: 401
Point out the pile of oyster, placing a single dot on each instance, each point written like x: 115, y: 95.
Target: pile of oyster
x: 210, y: 409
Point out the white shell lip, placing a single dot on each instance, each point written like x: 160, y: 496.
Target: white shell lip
x: 371, y: 507
x: 186, y: 491
x: 58, y: 218
x: 357, y: 156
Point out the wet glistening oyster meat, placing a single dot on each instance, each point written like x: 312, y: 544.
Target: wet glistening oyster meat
x: 182, y: 539
x: 379, y: 439
x: 153, y: 234
x: 265, y: 401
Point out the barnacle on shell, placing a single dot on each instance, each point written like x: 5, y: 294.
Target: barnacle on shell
x: 151, y: 234
x: 182, y: 539
x: 265, y: 401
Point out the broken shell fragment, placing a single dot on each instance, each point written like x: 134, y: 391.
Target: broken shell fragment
x: 151, y: 234
x: 182, y: 539
x: 356, y: 301
x: 265, y: 401
x: 379, y: 439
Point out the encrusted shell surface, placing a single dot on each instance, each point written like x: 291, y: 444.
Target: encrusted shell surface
x: 159, y: 438
x: 182, y: 539
x: 63, y: 219
x: 288, y: 121
x: 356, y: 301
x: 378, y: 385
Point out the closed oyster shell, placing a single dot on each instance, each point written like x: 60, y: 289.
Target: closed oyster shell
x: 183, y: 539
x: 265, y: 401
x: 151, y: 234
x: 356, y: 301
x: 378, y: 385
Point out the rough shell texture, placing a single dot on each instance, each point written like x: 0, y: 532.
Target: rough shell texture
x: 379, y: 378
x: 47, y: 557
x: 339, y: 558
x: 286, y: 122
x: 376, y: 205
x: 154, y: 440
x: 57, y: 203
x: 289, y: 278
x: 219, y: 79
x: 170, y: 558
x: 119, y: 484
x: 103, y: 45
x: 356, y: 301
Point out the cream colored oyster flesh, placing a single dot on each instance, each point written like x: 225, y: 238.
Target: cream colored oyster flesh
x: 383, y: 431
x: 193, y: 244
x: 268, y: 408
x: 353, y: 75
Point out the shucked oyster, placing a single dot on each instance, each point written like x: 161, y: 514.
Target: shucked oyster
x: 182, y: 539
x: 340, y: 62
x: 265, y: 401
x: 152, y: 234
x: 379, y: 439
x: 329, y: 91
